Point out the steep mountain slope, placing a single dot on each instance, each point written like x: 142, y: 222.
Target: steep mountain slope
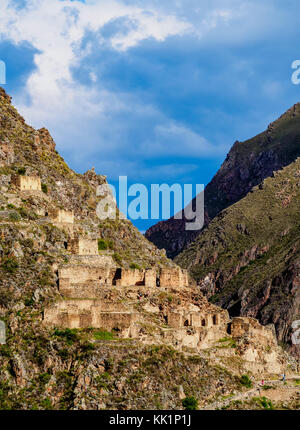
x: 44, y: 366
x: 33, y: 152
x: 248, y: 259
x: 246, y: 165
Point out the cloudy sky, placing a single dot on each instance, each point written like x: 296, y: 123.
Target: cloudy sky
x: 157, y: 90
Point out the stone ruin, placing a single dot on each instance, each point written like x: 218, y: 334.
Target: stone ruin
x: 83, y: 246
x: 26, y: 183
x: 195, y: 319
x: 61, y: 216
x: 88, y: 283
x: 245, y: 326
x: 88, y: 272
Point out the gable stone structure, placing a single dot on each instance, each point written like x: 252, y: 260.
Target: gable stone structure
x: 174, y: 277
x: 27, y: 183
x: 83, y: 246
x: 61, y: 216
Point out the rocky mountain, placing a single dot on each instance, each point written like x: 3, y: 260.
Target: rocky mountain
x: 96, y: 317
x: 247, y: 164
x: 26, y: 151
x: 247, y: 259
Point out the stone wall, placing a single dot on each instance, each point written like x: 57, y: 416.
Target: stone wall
x: 150, y: 279
x: 61, y: 216
x: 89, y: 313
x: 174, y: 277
x: 75, y: 274
x: 83, y: 246
x: 197, y: 319
x: 83, y: 280
x: 244, y: 326
x: 27, y: 183
x: 135, y: 277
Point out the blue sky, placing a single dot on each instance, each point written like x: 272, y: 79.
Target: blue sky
x: 155, y: 90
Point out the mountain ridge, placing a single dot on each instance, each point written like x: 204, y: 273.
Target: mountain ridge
x: 247, y: 164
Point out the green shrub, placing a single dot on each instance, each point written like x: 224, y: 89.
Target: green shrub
x: 22, y: 171
x: 117, y: 257
x: 46, y: 403
x: 227, y: 342
x: 190, y: 403
x: 268, y: 387
x: 29, y: 302
x: 102, y: 245
x: 87, y: 348
x: 63, y: 353
x: 70, y: 335
x: 10, y: 264
x: 44, y: 188
x: 135, y: 266
x: 105, y: 244
x: 44, y: 378
x: 262, y: 401
x: 23, y: 212
x: 103, y: 335
x: 14, y: 216
x: 11, y: 206
x: 246, y: 381
x: 103, y: 380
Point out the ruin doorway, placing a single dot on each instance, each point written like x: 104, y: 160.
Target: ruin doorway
x: 118, y: 275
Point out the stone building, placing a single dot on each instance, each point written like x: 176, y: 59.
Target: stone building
x: 83, y: 246
x: 130, y: 277
x: 27, y: 183
x: 91, y: 313
x: 61, y: 216
x: 174, y: 277
x: 208, y: 318
x: 95, y: 293
x: 245, y: 326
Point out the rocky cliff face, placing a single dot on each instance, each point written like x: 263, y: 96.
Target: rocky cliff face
x: 247, y: 164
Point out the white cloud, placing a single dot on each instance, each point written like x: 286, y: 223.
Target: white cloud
x: 176, y: 140
x: 56, y: 29
x: 75, y: 113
